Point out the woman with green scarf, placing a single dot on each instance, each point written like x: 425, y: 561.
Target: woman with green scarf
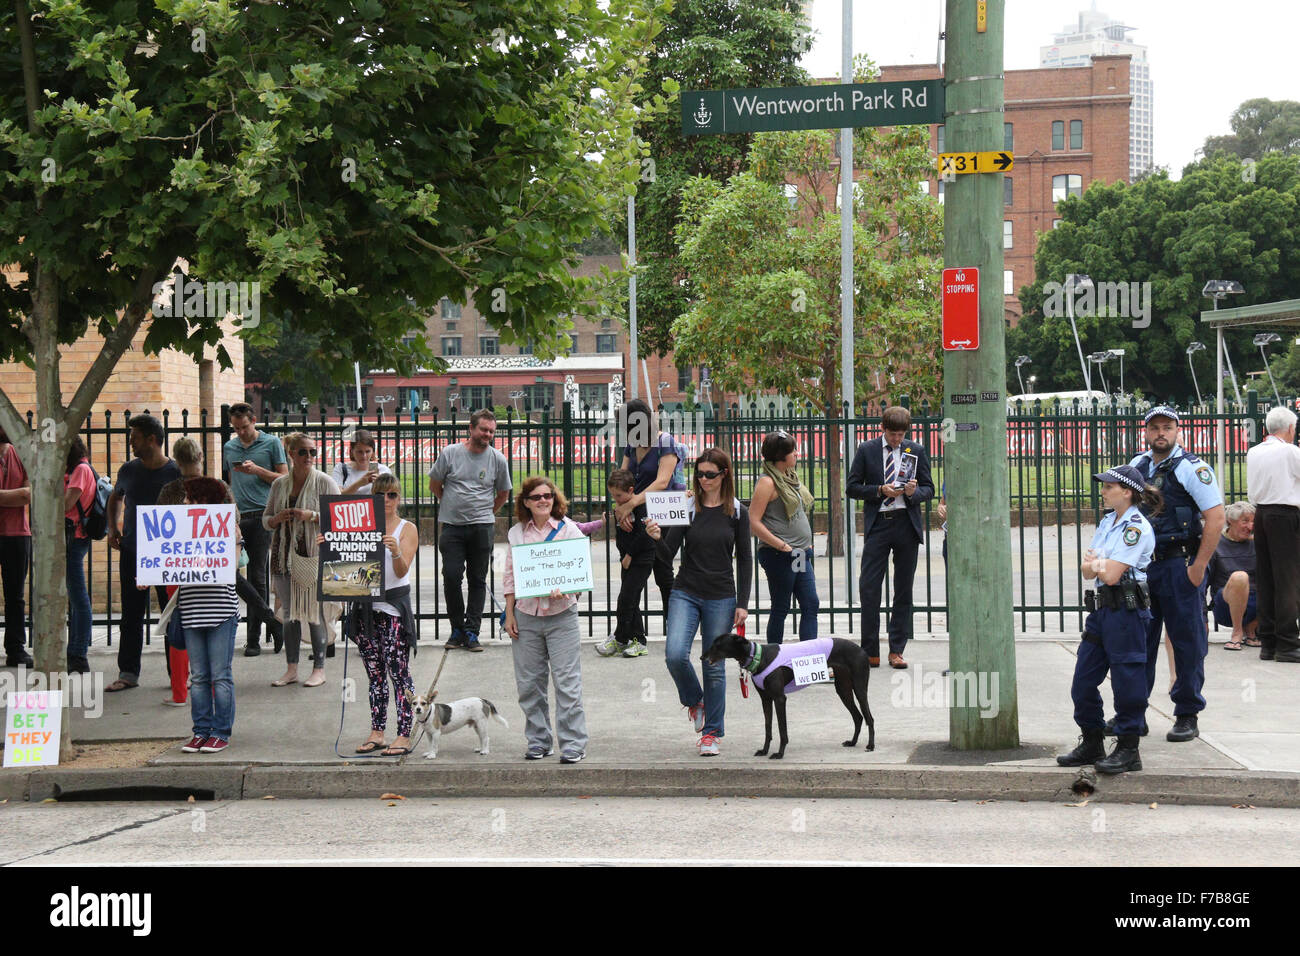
x: 778, y: 517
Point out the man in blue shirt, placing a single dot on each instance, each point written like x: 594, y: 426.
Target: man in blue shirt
x: 1187, y: 531
x: 252, y: 460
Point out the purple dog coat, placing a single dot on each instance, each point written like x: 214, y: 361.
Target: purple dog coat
x: 788, y: 652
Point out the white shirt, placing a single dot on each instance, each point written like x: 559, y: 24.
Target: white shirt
x: 391, y: 580
x: 889, y: 504
x: 1273, y: 473
x: 346, y: 472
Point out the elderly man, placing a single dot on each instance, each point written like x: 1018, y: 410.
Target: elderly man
x: 1232, y: 576
x: 1273, y: 483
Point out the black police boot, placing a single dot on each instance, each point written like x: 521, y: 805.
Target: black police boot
x: 1123, y: 757
x: 1090, y: 750
x: 1110, y: 728
x: 251, y: 649
x: 1184, y: 729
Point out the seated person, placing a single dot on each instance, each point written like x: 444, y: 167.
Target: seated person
x: 1231, y: 574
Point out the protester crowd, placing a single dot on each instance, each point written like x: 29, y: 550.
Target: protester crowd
x: 1165, y: 556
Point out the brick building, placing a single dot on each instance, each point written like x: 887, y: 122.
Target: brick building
x: 1067, y: 128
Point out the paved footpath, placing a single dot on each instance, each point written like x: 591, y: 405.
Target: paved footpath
x: 642, y: 743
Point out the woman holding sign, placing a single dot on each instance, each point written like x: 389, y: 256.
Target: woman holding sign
x: 293, y: 515
x: 709, y: 595
x: 778, y: 517
x: 545, y: 630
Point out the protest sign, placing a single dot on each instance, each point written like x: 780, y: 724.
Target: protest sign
x: 185, y: 544
x: 810, y: 670
x: 33, y: 722
x: 352, y: 557
x: 542, y: 567
x: 668, y: 508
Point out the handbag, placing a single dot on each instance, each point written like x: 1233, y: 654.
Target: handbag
x: 554, y: 532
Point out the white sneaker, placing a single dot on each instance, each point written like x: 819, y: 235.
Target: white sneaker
x: 708, y: 746
x: 696, y: 714
x: 610, y: 647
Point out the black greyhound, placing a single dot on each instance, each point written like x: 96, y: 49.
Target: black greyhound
x: 847, y: 660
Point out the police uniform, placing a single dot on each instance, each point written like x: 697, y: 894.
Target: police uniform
x: 1115, y: 638
x: 1189, y: 488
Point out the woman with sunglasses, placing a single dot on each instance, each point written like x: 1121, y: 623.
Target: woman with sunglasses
x: 293, y: 516
x: 545, y: 631
x: 778, y: 517
x: 709, y: 594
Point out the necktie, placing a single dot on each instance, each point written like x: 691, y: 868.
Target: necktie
x: 891, y: 469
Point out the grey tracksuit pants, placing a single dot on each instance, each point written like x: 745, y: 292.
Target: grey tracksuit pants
x: 554, y: 640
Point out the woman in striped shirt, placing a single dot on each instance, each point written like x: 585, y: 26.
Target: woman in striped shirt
x: 209, y: 615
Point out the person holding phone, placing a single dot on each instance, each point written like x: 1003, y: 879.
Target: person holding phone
x: 356, y: 475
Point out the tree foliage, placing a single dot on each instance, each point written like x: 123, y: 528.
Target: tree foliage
x: 1259, y: 126
x: 1222, y: 220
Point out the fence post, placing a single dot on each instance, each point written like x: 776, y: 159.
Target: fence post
x: 566, y: 433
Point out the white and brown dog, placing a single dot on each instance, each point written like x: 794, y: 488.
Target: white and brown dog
x: 437, y: 719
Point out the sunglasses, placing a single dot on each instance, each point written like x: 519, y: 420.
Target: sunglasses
x: 306, y: 453
x: 707, y: 474
x: 392, y: 494
x: 544, y: 496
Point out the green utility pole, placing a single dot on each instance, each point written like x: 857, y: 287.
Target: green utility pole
x: 980, y: 619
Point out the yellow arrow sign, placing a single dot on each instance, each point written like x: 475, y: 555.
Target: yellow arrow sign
x: 959, y: 163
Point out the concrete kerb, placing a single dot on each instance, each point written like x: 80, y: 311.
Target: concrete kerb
x: 1259, y: 789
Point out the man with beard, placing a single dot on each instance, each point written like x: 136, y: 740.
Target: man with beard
x: 1187, y: 531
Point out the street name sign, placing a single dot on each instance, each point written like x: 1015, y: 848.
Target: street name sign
x: 833, y: 106
x: 961, y: 311
x: 959, y: 163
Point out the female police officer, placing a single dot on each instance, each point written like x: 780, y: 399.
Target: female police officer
x: 1114, y: 635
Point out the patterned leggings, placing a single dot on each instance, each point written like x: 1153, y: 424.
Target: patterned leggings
x: 387, y: 648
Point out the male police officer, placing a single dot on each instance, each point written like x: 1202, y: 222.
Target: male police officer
x: 1177, y: 584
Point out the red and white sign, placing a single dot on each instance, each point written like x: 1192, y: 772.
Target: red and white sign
x: 961, y: 309
x: 356, y: 514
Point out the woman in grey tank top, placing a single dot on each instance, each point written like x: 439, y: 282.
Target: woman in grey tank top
x: 779, y: 518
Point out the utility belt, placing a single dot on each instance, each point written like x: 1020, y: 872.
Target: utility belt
x: 1125, y: 596
x: 1176, y: 549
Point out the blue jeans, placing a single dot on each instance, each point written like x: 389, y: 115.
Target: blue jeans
x: 212, y: 686
x: 686, y: 615
x: 78, y: 598
x: 782, y: 581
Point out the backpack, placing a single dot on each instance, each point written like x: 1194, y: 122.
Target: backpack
x: 94, y: 522
x: 679, y: 473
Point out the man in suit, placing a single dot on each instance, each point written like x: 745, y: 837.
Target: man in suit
x: 891, y: 522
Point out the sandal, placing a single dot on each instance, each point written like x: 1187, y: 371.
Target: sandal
x: 119, y: 684
x: 370, y: 746
x: 1253, y: 642
x: 1232, y: 646
x: 284, y: 683
x: 310, y: 683
x: 395, y: 751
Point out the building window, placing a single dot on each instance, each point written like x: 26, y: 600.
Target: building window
x: 1006, y: 233
x: 451, y: 345
x: 526, y: 349
x: 1065, y: 186
x: 1076, y: 134
x: 474, y: 397
x: 573, y: 340
x: 450, y: 310
x: 451, y: 327
x: 606, y: 343
x: 1006, y: 190
x: 489, y: 345
x: 684, y: 376
x: 1058, y: 134
x: 593, y: 398
x: 1008, y: 138
x: 606, y: 323
x: 1008, y: 282
x: 1056, y: 223
x: 346, y: 400
x: 792, y: 195
x: 939, y: 138
x: 538, y: 397
x: 415, y: 399
x: 409, y: 339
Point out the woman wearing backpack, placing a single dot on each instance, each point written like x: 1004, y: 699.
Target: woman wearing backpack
x: 654, y: 467
x: 78, y: 498
x: 709, y: 596
x: 357, y: 474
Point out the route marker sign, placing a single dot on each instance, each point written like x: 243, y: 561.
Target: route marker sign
x: 998, y: 161
x: 961, y: 310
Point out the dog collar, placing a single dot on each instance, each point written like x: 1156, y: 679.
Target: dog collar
x: 752, y: 664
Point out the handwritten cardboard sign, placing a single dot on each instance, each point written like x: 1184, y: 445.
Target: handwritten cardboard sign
x: 185, y: 544
x: 668, y: 508
x: 542, y: 567
x: 810, y: 670
x: 33, y: 723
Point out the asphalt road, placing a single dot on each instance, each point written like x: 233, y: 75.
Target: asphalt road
x: 667, y: 832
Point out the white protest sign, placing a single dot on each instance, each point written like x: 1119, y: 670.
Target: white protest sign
x: 810, y: 670
x: 185, y: 544
x: 542, y: 567
x: 32, y: 726
x: 668, y: 508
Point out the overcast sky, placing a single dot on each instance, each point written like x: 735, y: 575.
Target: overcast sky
x: 1206, y: 58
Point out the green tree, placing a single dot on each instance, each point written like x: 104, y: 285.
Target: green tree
x: 705, y: 44
x: 764, y: 308
x: 1222, y: 220
x: 358, y: 159
x: 1259, y: 126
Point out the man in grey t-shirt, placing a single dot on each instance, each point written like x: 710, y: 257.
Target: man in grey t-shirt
x: 471, y: 481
